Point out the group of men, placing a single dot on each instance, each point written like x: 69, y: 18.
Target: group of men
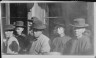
x: 36, y: 43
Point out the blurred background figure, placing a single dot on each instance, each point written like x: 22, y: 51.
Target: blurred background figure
x: 21, y: 37
x: 30, y: 24
x: 59, y: 44
x: 82, y: 44
x: 11, y: 42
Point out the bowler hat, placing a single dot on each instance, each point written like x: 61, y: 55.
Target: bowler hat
x: 9, y: 27
x: 80, y: 22
x: 19, y: 24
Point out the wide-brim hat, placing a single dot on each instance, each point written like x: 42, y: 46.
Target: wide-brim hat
x: 80, y: 22
x: 9, y: 27
x: 38, y: 24
x: 19, y: 24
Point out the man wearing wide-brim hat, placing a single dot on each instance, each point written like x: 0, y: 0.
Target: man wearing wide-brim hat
x: 81, y: 45
x: 11, y: 41
x: 41, y: 45
x: 21, y: 36
x: 35, y: 25
x: 30, y: 36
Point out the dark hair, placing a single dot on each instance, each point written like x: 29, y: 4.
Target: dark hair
x: 56, y: 29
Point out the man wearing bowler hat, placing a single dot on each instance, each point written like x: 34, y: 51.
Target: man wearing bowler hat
x: 39, y: 46
x: 11, y: 41
x: 82, y: 44
x: 21, y: 36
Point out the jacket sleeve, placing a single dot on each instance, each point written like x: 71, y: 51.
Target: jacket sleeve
x: 4, y: 48
x: 14, y: 46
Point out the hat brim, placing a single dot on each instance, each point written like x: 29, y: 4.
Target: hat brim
x: 86, y: 25
x: 9, y: 29
x: 21, y: 26
x: 39, y: 27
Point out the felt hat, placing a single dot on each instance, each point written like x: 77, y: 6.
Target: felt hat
x: 80, y: 22
x: 9, y: 27
x: 38, y: 25
x: 19, y: 24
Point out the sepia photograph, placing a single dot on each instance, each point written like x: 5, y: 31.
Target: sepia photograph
x: 62, y: 28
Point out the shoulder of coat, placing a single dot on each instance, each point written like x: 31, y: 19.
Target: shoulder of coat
x: 13, y: 39
x: 68, y: 37
x: 24, y: 35
x: 55, y: 39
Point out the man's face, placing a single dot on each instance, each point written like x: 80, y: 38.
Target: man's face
x: 79, y: 32
x: 19, y: 29
x: 8, y: 33
x: 37, y: 33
